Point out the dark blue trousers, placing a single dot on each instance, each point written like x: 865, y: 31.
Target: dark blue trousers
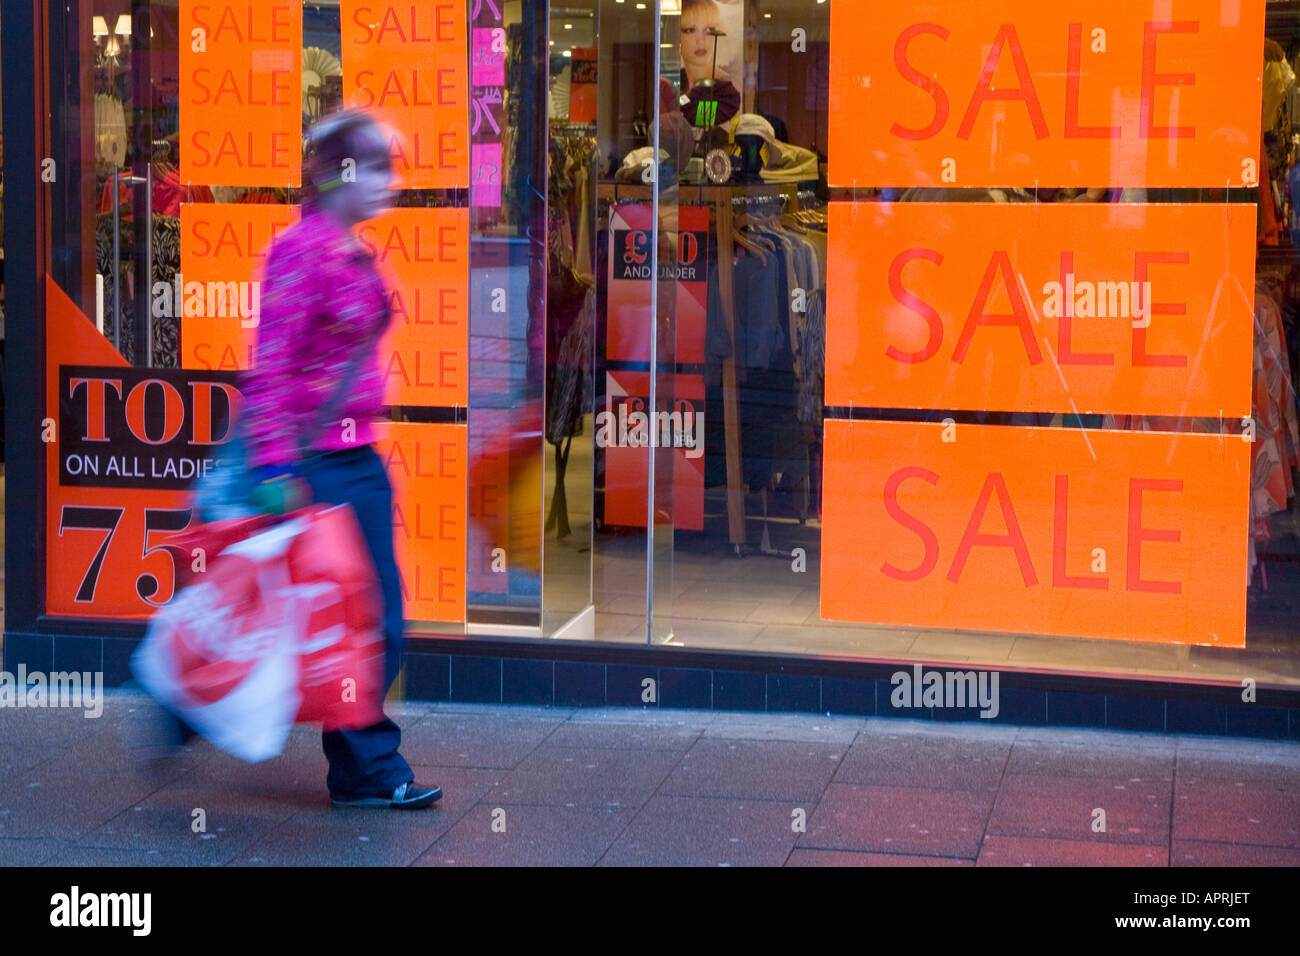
x: 366, y: 762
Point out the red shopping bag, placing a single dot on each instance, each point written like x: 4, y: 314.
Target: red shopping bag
x: 277, y: 621
x: 341, y: 647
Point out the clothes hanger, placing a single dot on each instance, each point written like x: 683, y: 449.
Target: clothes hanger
x: 740, y: 239
x: 744, y: 222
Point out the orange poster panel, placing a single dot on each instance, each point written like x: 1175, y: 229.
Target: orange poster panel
x: 427, y: 464
x: 1058, y: 307
x: 217, y: 293
x: 241, y: 93
x: 1093, y: 93
x: 103, y: 544
x: 1130, y: 535
x: 423, y: 255
x: 410, y: 61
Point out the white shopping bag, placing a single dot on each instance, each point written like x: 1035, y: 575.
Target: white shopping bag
x: 223, y: 656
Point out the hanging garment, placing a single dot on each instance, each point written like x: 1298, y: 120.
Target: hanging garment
x: 1278, y: 78
x: 812, y: 350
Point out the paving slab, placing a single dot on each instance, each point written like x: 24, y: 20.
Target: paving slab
x: 793, y: 771
x: 700, y: 831
x: 50, y: 728
x: 190, y: 818
x: 1076, y: 739
x: 563, y: 776
x: 796, y: 727
x: 1248, y: 768
x: 978, y: 730
x: 18, y: 759
x: 1032, y: 851
x: 643, y: 716
x: 803, y: 857
x: 1204, y: 853
x: 661, y: 735
x: 1259, y: 814
x: 104, y: 857
x: 522, y: 835
x: 509, y: 711
x: 487, y: 740
x: 1039, y: 758
x: 334, y: 836
x: 28, y: 851
x: 1065, y: 808
x: 899, y: 820
x: 936, y: 762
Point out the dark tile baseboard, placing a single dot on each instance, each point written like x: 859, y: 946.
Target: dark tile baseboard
x: 572, y: 675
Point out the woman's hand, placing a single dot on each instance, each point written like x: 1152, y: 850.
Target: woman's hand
x: 278, y: 491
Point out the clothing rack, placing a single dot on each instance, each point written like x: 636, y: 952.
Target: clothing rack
x: 725, y: 201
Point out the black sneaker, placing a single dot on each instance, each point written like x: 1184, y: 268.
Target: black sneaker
x: 409, y: 796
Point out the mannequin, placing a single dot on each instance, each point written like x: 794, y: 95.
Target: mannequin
x: 697, y: 46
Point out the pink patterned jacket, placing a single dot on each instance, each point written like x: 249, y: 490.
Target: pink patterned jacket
x: 322, y: 301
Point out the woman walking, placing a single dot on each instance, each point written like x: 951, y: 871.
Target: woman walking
x: 324, y: 310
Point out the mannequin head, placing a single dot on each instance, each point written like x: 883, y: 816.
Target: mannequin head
x: 348, y: 167
x: 697, y: 46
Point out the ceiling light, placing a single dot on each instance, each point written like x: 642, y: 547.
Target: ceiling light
x: 567, y: 53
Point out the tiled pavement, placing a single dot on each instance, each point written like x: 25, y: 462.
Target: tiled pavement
x: 631, y: 787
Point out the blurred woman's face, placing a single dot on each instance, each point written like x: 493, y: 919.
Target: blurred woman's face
x: 373, y: 195
x: 368, y: 194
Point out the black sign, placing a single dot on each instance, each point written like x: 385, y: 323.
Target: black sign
x: 632, y: 256
x: 139, y: 427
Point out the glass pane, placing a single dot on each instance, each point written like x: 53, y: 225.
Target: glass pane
x: 571, y: 295
x: 627, y: 371
x: 508, y: 337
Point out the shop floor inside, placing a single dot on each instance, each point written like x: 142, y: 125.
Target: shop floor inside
x: 554, y: 786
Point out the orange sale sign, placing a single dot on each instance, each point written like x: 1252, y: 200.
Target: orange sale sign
x: 1129, y: 535
x: 409, y: 61
x: 1064, y: 307
x: 105, y: 554
x: 217, y: 293
x: 423, y: 255
x: 241, y: 93
x: 1098, y: 93
x: 428, y: 465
